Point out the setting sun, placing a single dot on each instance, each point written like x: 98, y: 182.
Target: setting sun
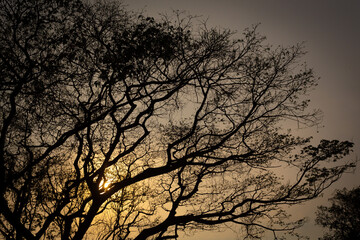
x: 104, y: 184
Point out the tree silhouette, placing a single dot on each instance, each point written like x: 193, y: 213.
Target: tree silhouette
x: 342, y: 218
x: 118, y: 126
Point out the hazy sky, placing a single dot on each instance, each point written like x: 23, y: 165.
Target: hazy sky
x: 331, y: 32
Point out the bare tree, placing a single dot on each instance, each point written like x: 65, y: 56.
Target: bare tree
x: 118, y: 126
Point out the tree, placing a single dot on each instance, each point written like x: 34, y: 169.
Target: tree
x: 342, y: 218
x: 118, y: 126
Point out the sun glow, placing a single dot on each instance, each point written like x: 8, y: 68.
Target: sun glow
x: 104, y: 184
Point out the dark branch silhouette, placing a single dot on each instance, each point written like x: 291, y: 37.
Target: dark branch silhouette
x: 342, y: 218
x: 118, y: 126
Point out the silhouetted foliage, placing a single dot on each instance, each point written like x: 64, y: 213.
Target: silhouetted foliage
x: 118, y: 126
x: 342, y: 218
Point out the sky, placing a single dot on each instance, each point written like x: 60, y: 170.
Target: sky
x: 331, y: 32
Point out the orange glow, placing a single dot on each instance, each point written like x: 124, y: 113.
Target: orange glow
x: 104, y: 184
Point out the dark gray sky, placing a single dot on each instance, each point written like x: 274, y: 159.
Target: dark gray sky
x: 331, y: 32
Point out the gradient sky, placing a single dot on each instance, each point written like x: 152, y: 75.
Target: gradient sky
x: 331, y: 32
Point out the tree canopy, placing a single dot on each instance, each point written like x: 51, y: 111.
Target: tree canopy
x: 119, y: 126
x: 342, y: 218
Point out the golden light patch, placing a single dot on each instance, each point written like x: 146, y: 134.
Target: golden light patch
x: 104, y: 184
